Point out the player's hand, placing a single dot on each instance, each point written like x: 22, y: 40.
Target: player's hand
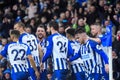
x: 37, y: 75
x: 68, y: 59
x: 107, y: 68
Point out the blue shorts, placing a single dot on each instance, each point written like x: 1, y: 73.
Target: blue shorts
x: 43, y: 75
x: 79, y: 76
x: 32, y: 73
x: 60, y: 75
x: 20, y: 76
x: 94, y: 76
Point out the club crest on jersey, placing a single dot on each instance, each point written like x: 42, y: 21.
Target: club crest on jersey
x: 98, y: 47
x: 47, y: 43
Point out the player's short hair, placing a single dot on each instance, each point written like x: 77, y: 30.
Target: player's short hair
x: 16, y: 33
x: 97, y: 24
x: 41, y: 26
x: 20, y: 24
x: 80, y: 30
x: 71, y: 31
x: 54, y: 25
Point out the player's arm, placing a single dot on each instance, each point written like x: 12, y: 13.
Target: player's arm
x: 4, y: 52
x: 75, y: 57
x: 34, y: 66
x: 1, y: 56
x: 99, y: 50
x: 95, y: 39
x: 48, y: 50
x: 32, y: 62
x: 71, y: 52
x: 96, y: 47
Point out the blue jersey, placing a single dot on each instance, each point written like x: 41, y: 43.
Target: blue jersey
x: 43, y: 44
x: 109, y: 35
x: 17, y: 53
x: 32, y: 42
x: 77, y: 65
x: 59, y: 47
x: 106, y: 38
x: 103, y: 39
x: 91, y: 54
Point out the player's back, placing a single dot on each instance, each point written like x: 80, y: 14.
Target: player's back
x: 17, y: 53
x: 60, y: 50
x: 31, y: 41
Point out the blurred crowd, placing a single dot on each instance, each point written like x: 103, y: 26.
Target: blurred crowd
x: 67, y: 13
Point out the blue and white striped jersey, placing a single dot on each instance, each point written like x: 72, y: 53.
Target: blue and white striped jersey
x: 75, y: 46
x: 32, y: 42
x: 43, y: 44
x: 59, y: 47
x: 17, y: 53
x: 92, y: 55
x: 76, y: 65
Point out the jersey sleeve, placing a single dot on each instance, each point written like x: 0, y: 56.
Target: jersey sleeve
x: 75, y: 56
x: 96, y: 47
x: 70, y: 50
x: 21, y: 37
x: 4, y: 51
x: 48, y: 49
x: 103, y: 37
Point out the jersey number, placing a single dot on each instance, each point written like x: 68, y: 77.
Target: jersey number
x: 62, y: 45
x: 32, y: 44
x: 19, y: 55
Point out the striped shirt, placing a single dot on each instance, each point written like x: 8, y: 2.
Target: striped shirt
x: 59, y: 47
x: 92, y: 55
x: 76, y: 65
x: 32, y: 42
x: 17, y: 53
x: 43, y: 44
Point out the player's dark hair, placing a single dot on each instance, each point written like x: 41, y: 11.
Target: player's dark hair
x: 71, y: 31
x: 80, y: 30
x: 41, y: 26
x: 54, y: 25
x: 16, y: 33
